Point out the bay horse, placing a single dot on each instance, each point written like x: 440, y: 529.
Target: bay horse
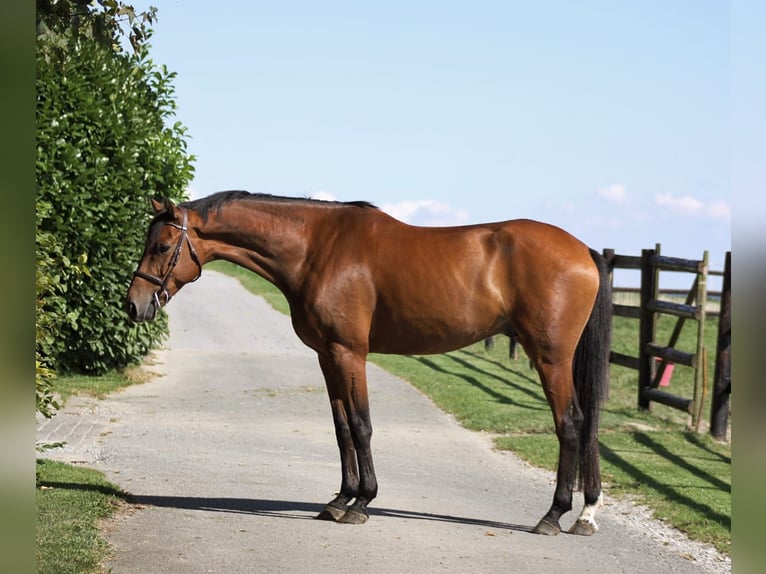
x: 359, y: 281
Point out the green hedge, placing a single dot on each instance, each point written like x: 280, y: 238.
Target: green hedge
x: 105, y: 146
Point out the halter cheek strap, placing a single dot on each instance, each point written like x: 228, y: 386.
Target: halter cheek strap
x: 162, y: 283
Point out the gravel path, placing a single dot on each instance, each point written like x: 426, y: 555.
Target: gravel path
x: 230, y: 452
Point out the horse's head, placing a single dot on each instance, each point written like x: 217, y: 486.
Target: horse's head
x: 168, y: 263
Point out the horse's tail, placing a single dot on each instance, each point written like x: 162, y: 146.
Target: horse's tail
x: 591, y: 376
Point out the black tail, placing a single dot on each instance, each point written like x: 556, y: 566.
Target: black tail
x: 591, y: 376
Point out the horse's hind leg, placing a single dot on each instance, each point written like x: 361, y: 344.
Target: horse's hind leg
x: 585, y: 524
x: 559, y: 390
x: 345, y: 376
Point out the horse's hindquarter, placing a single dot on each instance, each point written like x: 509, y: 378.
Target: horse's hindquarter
x: 555, y: 282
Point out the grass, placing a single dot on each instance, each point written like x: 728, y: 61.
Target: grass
x: 65, y: 386
x: 72, y: 501
x: 684, y: 477
x: 90, y: 385
x: 70, y: 504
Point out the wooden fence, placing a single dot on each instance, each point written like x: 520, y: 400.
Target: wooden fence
x: 655, y: 358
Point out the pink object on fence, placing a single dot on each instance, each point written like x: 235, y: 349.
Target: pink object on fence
x: 665, y: 380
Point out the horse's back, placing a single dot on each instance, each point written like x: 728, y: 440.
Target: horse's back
x: 437, y: 289
x: 475, y: 261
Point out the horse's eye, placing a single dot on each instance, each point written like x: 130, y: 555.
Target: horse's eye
x: 163, y: 248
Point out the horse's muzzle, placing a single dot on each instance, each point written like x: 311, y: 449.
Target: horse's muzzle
x: 140, y: 312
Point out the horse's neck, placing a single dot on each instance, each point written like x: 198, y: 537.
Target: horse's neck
x: 269, y: 239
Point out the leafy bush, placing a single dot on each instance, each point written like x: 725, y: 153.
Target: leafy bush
x: 104, y: 148
x: 46, y: 289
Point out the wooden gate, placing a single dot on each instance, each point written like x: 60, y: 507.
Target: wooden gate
x: 649, y: 373
x: 655, y: 357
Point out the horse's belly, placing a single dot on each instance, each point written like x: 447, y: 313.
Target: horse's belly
x: 417, y: 338
x: 422, y: 347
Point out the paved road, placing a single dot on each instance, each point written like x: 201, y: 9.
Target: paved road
x: 230, y: 452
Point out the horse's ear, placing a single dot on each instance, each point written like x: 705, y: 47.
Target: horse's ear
x: 169, y: 206
x: 166, y: 206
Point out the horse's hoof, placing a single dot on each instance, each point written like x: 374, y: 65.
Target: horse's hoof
x: 354, y: 516
x: 583, y: 528
x: 332, y: 513
x: 547, y: 527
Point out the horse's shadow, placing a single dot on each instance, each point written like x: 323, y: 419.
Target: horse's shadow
x: 284, y: 509
x: 296, y: 510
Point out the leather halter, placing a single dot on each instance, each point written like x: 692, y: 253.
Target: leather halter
x: 163, y: 282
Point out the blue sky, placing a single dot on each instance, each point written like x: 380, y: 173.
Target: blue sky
x: 610, y: 119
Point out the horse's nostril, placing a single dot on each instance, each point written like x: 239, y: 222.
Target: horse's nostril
x: 132, y: 310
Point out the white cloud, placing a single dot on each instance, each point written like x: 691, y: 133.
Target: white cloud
x: 719, y: 209
x: 615, y: 193
x: 427, y: 212
x: 324, y: 195
x: 688, y: 205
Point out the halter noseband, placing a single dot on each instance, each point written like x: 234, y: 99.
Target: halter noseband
x: 163, y: 283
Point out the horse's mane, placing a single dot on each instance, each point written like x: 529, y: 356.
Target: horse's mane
x: 215, y: 201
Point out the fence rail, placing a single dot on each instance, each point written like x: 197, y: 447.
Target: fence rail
x: 630, y: 298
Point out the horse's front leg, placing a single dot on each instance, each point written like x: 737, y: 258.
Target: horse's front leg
x: 336, y: 509
x: 346, y: 380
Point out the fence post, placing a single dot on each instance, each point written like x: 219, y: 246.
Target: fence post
x: 646, y: 326
x: 701, y: 370
x: 719, y: 414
